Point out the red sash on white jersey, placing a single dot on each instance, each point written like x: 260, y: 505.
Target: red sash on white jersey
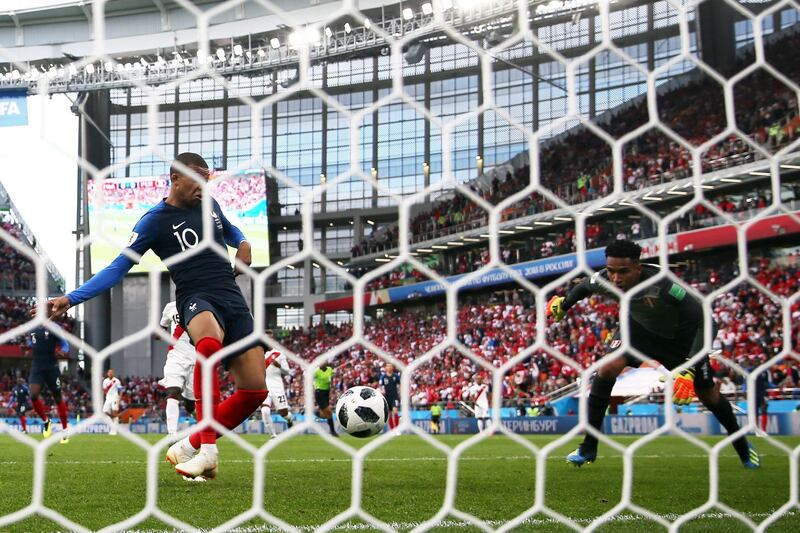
x: 177, y: 334
x: 270, y: 357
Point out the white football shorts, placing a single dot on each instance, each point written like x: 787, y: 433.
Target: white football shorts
x: 481, y: 412
x: 179, y: 370
x: 276, y: 396
x: 111, y: 405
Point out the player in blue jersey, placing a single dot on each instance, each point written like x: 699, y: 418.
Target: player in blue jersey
x: 44, y: 372
x: 210, y: 304
x: 390, y: 383
x: 18, y: 401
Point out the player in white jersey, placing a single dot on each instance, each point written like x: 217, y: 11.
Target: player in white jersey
x: 277, y: 367
x: 112, y: 387
x: 178, y: 370
x: 479, y: 394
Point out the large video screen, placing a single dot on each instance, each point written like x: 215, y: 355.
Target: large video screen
x: 242, y: 196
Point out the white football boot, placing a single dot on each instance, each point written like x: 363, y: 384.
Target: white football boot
x: 180, y: 452
x: 204, y: 464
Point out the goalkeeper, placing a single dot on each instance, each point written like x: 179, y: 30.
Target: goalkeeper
x: 666, y: 324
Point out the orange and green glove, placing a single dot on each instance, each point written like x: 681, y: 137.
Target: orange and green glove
x: 554, y: 308
x: 683, y: 387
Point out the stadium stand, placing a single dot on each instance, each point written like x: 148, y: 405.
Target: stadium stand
x: 745, y: 203
x: 766, y: 111
x: 749, y: 332
x: 18, y: 272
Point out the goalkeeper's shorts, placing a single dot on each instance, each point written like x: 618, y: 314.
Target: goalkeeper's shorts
x: 669, y: 352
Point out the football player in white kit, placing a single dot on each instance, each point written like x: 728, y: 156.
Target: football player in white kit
x: 178, y: 370
x: 111, y: 387
x: 479, y: 394
x: 277, y: 367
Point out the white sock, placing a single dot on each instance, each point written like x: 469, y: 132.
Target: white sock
x: 209, y: 449
x: 480, y: 425
x: 173, y: 412
x: 266, y: 416
x: 114, y: 424
x: 289, y: 418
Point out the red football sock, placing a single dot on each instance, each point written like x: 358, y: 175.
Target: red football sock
x: 206, y: 347
x: 396, y: 418
x: 23, y: 422
x: 62, y: 413
x: 391, y: 421
x: 234, y: 411
x: 38, y: 406
x: 764, y: 422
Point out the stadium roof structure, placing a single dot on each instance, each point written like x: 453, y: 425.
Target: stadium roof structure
x: 156, y: 41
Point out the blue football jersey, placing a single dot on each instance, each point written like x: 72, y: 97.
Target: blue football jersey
x: 20, y: 394
x: 391, y: 384
x: 168, y: 231
x: 43, y: 344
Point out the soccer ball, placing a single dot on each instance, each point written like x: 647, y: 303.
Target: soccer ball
x: 362, y: 412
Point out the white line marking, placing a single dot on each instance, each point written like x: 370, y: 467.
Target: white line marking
x: 551, y: 457
x: 493, y: 523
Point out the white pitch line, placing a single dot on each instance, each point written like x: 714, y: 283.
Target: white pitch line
x: 671, y: 517
x: 551, y: 457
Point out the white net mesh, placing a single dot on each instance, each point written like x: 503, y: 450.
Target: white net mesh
x: 587, y: 46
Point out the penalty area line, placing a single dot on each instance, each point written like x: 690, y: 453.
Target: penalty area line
x: 533, y: 521
x: 551, y: 457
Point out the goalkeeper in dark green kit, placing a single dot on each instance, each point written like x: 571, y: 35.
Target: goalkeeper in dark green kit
x: 666, y: 324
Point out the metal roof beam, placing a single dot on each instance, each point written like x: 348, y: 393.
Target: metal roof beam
x: 165, y: 22
x: 18, y: 33
x: 87, y: 12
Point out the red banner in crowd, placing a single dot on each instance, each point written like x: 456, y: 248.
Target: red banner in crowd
x: 767, y: 228
x: 10, y: 350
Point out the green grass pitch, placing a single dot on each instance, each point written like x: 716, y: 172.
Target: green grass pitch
x: 97, y: 480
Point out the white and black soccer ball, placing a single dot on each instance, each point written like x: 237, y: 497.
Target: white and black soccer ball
x: 362, y: 412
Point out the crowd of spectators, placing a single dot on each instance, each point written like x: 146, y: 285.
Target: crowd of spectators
x: 137, y: 392
x: 13, y: 312
x: 597, y: 234
x: 577, y: 166
x: 749, y: 332
x: 133, y: 193
x: 237, y: 192
x: 497, y: 327
x: 17, y: 282
x: 17, y: 272
x: 74, y: 390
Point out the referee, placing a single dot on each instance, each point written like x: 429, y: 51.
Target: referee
x: 323, y: 378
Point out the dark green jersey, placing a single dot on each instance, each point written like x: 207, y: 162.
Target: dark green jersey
x: 664, y: 308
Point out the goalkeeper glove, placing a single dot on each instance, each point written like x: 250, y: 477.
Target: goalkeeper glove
x: 683, y: 387
x: 554, y: 308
